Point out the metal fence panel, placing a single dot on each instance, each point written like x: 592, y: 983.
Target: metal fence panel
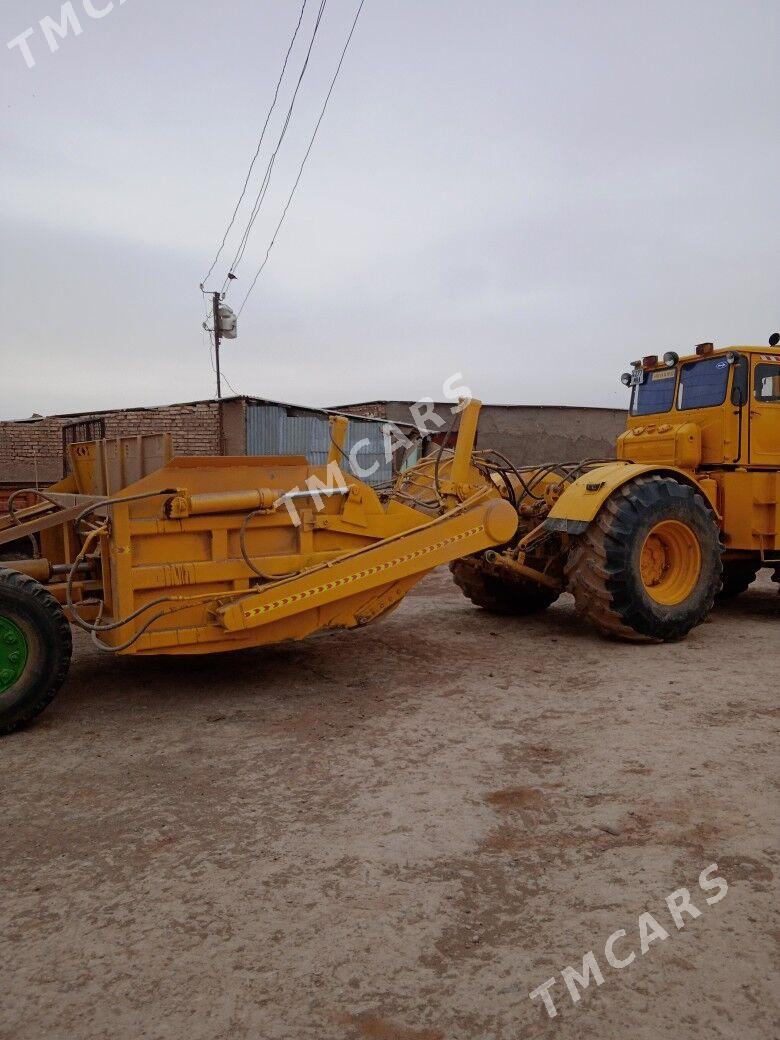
x: 307, y: 435
x: 270, y: 430
x: 263, y: 429
x: 366, y: 440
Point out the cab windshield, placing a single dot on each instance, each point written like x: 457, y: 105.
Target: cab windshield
x: 655, y: 393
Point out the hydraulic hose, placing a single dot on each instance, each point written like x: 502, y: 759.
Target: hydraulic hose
x: 245, y: 553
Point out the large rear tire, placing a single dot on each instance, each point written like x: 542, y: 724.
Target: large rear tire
x: 649, y: 566
x: 498, y: 593
x: 35, y: 649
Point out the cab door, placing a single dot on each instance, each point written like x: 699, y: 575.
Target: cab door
x: 765, y: 411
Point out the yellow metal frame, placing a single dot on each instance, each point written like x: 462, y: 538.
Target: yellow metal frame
x: 198, y: 555
x: 584, y: 497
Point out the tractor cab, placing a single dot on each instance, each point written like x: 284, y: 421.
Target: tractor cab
x: 715, y: 408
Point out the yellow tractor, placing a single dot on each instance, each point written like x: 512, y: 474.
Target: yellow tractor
x: 687, y: 513
x: 151, y: 554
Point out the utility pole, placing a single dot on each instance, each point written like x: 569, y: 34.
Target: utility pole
x: 217, y: 341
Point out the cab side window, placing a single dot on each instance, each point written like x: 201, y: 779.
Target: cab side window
x: 767, y: 383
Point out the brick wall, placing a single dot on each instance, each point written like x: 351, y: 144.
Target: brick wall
x: 31, y: 451
x: 194, y: 427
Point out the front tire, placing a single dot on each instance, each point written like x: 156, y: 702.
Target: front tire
x: 35, y: 649
x: 649, y: 566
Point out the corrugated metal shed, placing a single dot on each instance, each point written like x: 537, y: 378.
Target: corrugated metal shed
x: 274, y: 429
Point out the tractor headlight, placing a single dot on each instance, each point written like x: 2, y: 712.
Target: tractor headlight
x: 671, y: 359
x: 625, y: 379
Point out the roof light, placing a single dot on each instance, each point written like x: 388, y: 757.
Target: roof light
x: 671, y: 358
x: 625, y: 379
x: 774, y: 339
x: 704, y: 348
x: 650, y: 361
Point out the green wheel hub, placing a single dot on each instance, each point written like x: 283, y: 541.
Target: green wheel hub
x: 13, y: 653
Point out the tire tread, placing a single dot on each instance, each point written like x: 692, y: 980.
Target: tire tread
x: 24, y: 586
x: 496, y: 593
x: 597, y: 570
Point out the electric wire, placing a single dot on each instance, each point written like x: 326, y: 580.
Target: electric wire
x: 239, y: 255
x: 305, y: 158
x: 235, y: 392
x: 242, y: 196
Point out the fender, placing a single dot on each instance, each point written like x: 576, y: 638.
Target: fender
x: 580, y: 502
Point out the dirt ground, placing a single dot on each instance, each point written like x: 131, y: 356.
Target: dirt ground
x: 396, y: 834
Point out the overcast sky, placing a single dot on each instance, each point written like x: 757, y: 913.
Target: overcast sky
x: 530, y: 193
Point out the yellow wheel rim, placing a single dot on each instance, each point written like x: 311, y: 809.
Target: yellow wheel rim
x: 670, y: 562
